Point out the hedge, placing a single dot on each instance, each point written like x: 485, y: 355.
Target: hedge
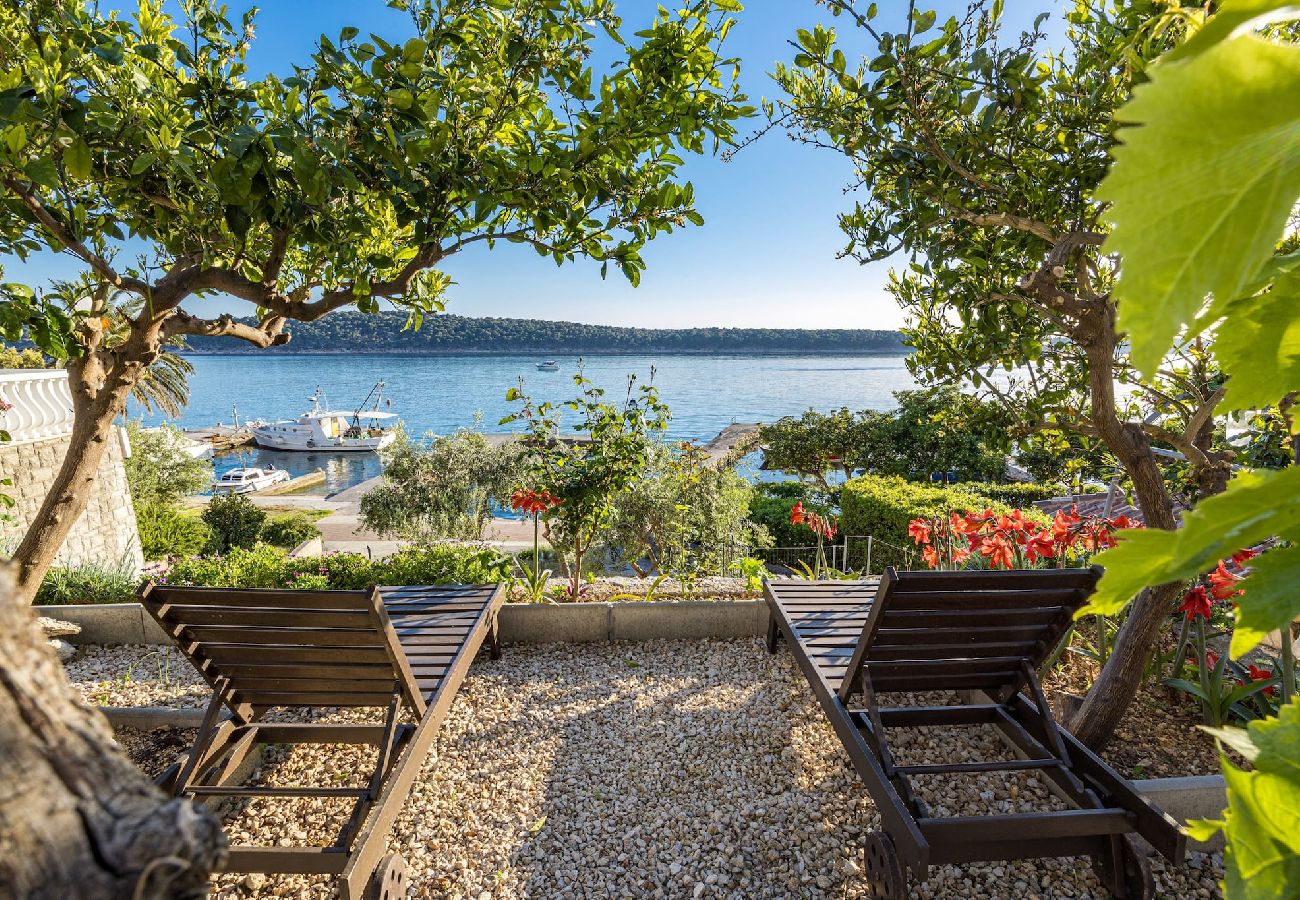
x: 882, y: 506
x: 1017, y: 494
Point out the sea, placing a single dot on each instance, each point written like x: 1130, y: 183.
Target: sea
x: 436, y: 395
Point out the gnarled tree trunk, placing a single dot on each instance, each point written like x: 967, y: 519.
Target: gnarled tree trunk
x: 77, y: 819
x: 1121, y: 677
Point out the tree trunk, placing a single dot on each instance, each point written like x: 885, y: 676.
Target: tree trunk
x: 1121, y: 677
x: 77, y: 819
x: 95, y: 406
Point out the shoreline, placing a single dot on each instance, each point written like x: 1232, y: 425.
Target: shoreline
x: 541, y: 351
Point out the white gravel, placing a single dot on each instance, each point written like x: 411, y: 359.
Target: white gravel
x: 664, y: 769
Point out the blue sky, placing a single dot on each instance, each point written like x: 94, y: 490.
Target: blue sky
x: 766, y: 255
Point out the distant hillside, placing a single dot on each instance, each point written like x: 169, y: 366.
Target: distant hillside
x: 355, y: 332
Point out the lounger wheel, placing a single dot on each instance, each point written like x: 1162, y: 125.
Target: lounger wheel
x: 1139, y: 882
x: 389, y: 880
x: 885, y: 877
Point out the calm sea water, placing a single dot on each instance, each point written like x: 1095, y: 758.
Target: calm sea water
x: 438, y: 394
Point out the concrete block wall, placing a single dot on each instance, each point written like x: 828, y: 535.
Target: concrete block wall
x: 106, y: 531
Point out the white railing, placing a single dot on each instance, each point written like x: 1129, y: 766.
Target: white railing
x: 35, y: 404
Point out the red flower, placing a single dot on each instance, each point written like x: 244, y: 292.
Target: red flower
x: 1223, y: 584
x: 919, y: 531
x: 533, y: 502
x: 797, y: 514
x: 999, y: 551
x: 931, y: 557
x: 1241, y: 557
x: 1258, y: 674
x: 1196, y: 603
x: 1041, y: 545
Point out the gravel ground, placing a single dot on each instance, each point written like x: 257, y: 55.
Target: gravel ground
x: 663, y: 769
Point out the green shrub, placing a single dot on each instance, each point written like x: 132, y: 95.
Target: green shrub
x: 882, y: 507
x: 443, y: 564
x: 234, y: 520
x: 770, y: 507
x: 289, y: 531
x: 262, y: 566
x: 89, y: 583
x: 265, y: 566
x: 1020, y: 494
x: 165, y: 531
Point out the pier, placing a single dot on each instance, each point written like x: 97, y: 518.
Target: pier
x: 221, y: 437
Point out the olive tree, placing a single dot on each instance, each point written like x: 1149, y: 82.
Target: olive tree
x: 447, y: 490
x: 144, y: 152
x: 978, y: 157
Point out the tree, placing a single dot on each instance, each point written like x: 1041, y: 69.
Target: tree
x: 607, y: 455
x: 815, y: 444
x: 344, y: 183
x: 159, y: 470
x: 447, y: 490
x: 936, y: 430
x: 979, y: 158
x: 682, y: 515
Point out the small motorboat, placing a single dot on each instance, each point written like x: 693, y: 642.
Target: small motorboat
x: 248, y: 480
x: 549, y: 366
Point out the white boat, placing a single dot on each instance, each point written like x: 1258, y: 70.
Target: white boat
x: 549, y: 366
x: 332, y: 431
x: 248, y: 480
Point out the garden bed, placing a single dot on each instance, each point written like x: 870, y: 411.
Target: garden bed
x: 677, y: 768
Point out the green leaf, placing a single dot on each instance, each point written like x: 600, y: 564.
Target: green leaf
x: 142, y: 162
x: 1187, y: 224
x: 1260, y: 346
x: 1271, y: 598
x: 77, y: 158
x: 1230, y: 17
x: 1243, y: 515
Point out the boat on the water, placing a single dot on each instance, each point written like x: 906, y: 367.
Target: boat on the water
x: 333, y: 431
x: 549, y: 366
x: 248, y: 480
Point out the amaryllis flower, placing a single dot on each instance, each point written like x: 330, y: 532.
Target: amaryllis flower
x: 797, y: 514
x: 999, y: 551
x: 1261, y: 674
x: 919, y: 531
x: 1223, y: 584
x: 1040, y: 546
x: 533, y: 502
x: 931, y: 556
x: 1195, y: 603
x: 1241, y: 557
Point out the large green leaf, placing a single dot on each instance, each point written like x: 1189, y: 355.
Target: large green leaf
x: 1252, y: 509
x: 1232, y: 16
x: 1260, y: 345
x: 1201, y: 191
x: 1262, y: 822
x: 1272, y: 598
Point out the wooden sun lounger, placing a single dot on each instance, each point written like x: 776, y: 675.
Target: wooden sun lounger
x: 983, y: 635
x: 390, y: 647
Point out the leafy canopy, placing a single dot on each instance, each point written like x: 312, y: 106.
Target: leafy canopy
x: 350, y: 176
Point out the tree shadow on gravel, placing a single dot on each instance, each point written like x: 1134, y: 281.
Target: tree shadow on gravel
x: 691, y: 771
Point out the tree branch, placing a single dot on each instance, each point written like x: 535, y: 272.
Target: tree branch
x: 268, y: 334
x: 74, y: 246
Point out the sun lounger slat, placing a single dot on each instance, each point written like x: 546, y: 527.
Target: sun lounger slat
x: 981, y: 632
x: 265, y: 649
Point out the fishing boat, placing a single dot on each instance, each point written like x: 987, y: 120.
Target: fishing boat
x: 549, y: 366
x: 333, y: 431
x: 248, y: 480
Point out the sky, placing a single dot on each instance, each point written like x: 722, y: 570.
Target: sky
x: 767, y: 255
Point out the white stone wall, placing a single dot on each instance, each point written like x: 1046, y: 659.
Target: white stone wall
x: 38, y: 419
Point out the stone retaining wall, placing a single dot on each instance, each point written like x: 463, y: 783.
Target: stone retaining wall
x: 106, y: 531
